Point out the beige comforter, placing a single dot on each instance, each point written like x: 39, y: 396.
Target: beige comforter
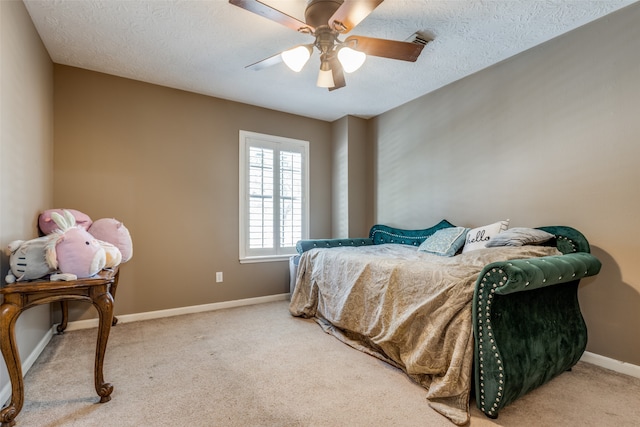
x: 403, y: 306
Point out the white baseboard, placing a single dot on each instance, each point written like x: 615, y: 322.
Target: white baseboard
x: 612, y: 364
x: 27, y: 363
x: 149, y: 315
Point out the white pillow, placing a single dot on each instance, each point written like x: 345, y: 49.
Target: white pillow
x: 478, y: 238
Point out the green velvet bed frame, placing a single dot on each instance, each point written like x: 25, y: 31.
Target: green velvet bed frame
x: 527, y: 323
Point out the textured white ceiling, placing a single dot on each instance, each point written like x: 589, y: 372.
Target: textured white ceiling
x: 203, y: 46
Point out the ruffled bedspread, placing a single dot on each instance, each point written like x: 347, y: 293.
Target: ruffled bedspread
x: 408, y: 308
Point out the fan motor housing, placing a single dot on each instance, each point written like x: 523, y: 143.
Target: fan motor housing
x: 318, y: 12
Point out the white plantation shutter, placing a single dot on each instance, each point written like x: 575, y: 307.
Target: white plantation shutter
x: 290, y: 198
x: 260, y: 198
x: 273, y: 195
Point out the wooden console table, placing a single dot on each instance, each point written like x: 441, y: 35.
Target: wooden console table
x: 23, y: 295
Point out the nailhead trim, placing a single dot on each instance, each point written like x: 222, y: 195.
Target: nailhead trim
x: 328, y: 244
x: 415, y: 239
x: 574, y: 247
x: 487, y: 350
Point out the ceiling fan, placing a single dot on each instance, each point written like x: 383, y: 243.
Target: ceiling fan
x: 326, y: 20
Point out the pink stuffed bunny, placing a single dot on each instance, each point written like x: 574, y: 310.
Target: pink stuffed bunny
x: 74, y: 250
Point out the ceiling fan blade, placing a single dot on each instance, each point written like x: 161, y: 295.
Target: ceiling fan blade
x: 267, y: 62
x: 405, y: 51
x: 338, y: 74
x: 350, y: 13
x: 275, y: 15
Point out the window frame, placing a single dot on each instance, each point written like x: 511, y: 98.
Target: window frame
x: 249, y: 139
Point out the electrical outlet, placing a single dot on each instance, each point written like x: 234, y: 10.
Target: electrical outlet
x: 219, y: 276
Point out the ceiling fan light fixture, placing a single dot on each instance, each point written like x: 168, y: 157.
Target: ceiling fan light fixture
x: 325, y: 20
x: 351, y: 59
x: 325, y: 76
x: 325, y: 79
x: 297, y: 57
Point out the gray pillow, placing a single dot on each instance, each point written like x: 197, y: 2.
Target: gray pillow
x: 520, y: 236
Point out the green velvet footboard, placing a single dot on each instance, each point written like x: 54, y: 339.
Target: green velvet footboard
x: 528, y: 327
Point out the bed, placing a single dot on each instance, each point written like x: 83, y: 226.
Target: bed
x: 499, y: 321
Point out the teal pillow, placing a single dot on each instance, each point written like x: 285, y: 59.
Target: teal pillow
x: 445, y: 242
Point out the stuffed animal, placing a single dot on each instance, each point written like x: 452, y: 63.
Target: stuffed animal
x: 112, y: 231
x: 113, y: 255
x: 74, y: 251
x: 27, y: 259
x: 47, y: 225
x: 69, y: 250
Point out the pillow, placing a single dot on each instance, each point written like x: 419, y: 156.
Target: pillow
x: 520, y: 236
x: 478, y: 238
x: 445, y: 242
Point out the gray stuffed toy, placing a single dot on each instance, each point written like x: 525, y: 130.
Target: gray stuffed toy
x: 28, y: 260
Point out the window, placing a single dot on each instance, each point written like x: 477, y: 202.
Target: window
x: 273, y: 196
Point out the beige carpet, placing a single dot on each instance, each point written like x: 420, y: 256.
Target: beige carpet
x: 258, y: 366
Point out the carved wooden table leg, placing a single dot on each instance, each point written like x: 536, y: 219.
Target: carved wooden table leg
x: 112, y: 290
x: 9, y: 313
x: 103, y: 301
x: 64, y: 309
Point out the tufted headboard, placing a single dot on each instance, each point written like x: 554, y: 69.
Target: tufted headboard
x: 568, y: 239
x: 384, y: 234
x: 378, y: 234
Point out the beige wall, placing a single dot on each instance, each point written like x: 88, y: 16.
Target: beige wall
x: 352, y: 176
x: 26, y: 151
x: 359, y: 180
x: 340, y: 176
x: 165, y: 162
x: 549, y: 137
